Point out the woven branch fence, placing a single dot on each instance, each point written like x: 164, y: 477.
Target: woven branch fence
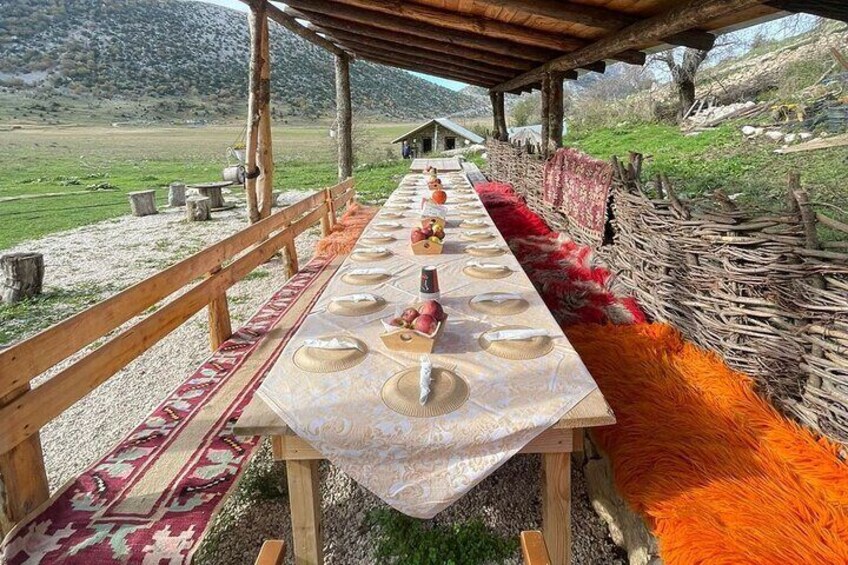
x: 757, y: 287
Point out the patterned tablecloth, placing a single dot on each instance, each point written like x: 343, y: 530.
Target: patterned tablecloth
x: 422, y: 465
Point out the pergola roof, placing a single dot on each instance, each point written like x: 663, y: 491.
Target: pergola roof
x: 508, y: 45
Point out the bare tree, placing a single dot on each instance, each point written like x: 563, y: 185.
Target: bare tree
x: 683, y: 73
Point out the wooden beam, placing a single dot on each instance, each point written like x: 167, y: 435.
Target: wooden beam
x: 355, y: 19
x: 429, y: 57
x: 596, y: 17
x: 376, y: 37
x: 680, y: 18
x: 476, y: 80
x: 832, y: 9
x: 555, y: 112
x: 265, y: 153
x: 293, y: 26
x: 344, y: 117
x: 468, y: 23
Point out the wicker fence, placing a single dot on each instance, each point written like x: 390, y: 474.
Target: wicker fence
x: 759, y: 288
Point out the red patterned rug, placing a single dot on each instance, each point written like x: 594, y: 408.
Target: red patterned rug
x: 152, y: 497
x: 574, y: 283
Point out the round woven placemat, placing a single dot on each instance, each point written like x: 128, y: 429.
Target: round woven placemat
x: 485, y: 252
x: 479, y: 273
x: 387, y: 228
x: 448, y: 392
x: 471, y: 226
x: 517, y: 349
x: 369, y: 256
x: 317, y: 360
x: 503, y: 308
x: 472, y: 215
x: 467, y: 206
x: 362, y: 280
x: 478, y: 237
x: 391, y: 215
x: 377, y: 239
x: 356, y: 308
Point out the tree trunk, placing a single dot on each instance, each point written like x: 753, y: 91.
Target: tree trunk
x: 546, y: 114
x: 686, y: 95
x: 198, y: 209
x: 143, y: 202
x: 256, y: 17
x: 265, y: 184
x: 344, y: 116
x: 177, y: 194
x: 23, y: 275
x: 555, y: 111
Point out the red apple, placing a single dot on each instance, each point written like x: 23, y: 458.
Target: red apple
x: 418, y: 235
x: 428, y: 233
x: 397, y: 322
x: 434, y: 309
x: 438, y: 231
x: 425, y: 324
x: 409, y: 315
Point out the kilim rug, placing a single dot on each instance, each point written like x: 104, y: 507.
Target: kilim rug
x: 152, y: 497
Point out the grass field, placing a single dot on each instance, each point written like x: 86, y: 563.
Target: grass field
x: 92, y: 168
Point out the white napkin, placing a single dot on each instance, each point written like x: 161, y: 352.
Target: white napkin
x: 361, y: 272
x: 497, y: 297
x: 475, y: 232
x: 476, y: 222
x: 334, y: 343
x: 425, y: 378
x: 484, y: 246
x: 355, y: 298
x: 388, y: 224
x: 487, y: 266
x: 511, y: 335
x: 372, y: 250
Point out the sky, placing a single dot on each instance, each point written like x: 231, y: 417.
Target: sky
x: 451, y: 84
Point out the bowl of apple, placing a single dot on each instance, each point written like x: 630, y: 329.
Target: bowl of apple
x: 416, y: 329
x: 427, y: 240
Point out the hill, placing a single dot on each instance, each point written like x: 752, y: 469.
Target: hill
x: 151, y: 60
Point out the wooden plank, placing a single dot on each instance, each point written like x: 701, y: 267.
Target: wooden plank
x: 422, y: 64
x: 455, y: 20
x: 273, y: 552
x: 815, y: 144
x: 27, y: 414
x: 292, y: 447
x: 341, y: 187
x: 23, y: 480
x: 220, y: 327
x: 682, y: 17
x: 343, y: 199
x: 305, y: 505
x: 28, y: 359
x: 533, y: 549
x: 309, y: 220
x: 556, y: 506
x: 290, y: 261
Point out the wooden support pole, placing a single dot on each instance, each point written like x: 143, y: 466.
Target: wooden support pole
x: 265, y: 158
x: 500, y: 131
x: 305, y: 505
x: 255, y: 19
x: 546, y: 114
x: 556, y: 506
x: 555, y: 111
x: 220, y: 327
x: 23, y: 480
x: 290, y: 261
x: 344, y: 117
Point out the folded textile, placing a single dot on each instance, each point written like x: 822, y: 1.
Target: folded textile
x: 372, y: 250
x: 425, y: 378
x: 362, y: 272
x: 515, y: 335
x: 364, y: 297
x: 487, y: 266
x: 496, y: 297
x: 333, y: 343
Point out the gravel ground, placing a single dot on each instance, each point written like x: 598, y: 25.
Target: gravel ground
x: 120, y: 252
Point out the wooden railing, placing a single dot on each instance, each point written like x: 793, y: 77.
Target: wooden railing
x: 24, y: 409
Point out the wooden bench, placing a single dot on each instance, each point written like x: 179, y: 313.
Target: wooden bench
x: 25, y: 409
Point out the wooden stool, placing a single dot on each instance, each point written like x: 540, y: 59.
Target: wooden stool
x: 198, y: 209
x: 213, y: 191
x: 177, y: 194
x: 143, y: 202
x: 23, y: 276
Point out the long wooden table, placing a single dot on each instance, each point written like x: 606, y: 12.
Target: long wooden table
x: 555, y: 445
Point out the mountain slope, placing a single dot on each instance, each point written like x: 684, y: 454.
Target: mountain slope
x: 188, y: 56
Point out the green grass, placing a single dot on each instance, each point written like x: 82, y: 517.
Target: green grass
x: 722, y: 159
x: 79, y: 162
x: 416, y: 542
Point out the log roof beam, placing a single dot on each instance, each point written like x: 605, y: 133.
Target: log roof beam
x: 688, y: 15
x: 288, y: 22
x: 473, y: 78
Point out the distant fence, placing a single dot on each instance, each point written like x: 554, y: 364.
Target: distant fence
x: 759, y: 288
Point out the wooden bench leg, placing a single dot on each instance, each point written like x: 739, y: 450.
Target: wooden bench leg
x: 556, y: 506
x: 305, y: 504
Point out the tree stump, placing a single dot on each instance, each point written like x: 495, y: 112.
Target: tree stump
x: 177, y: 194
x: 213, y: 190
x: 23, y: 275
x: 198, y: 209
x: 143, y: 202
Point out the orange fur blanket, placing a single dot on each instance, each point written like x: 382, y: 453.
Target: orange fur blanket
x: 720, y: 475
x: 346, y: 231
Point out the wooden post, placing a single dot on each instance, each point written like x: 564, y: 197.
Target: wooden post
x: 143, y: 202
x: 265, y: 158
x: 23, y: 480
x: 556, y: 506
x: 220, y: 328
x: 555, y: 110
x: 198, y: 209
x: 290, y: 258
x: 344, y: 116
x: 255, y: 20
x: 23, y: 276
x: 331, y: 208
x: 305, y: 504
x: 176, y: 194
x: 500, y: 131
x: 546, y: 114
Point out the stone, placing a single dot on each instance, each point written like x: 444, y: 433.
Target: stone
x: 775, y: 135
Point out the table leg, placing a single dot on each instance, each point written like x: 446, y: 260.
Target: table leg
x: 305, y: 504
x: 556, y: 506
